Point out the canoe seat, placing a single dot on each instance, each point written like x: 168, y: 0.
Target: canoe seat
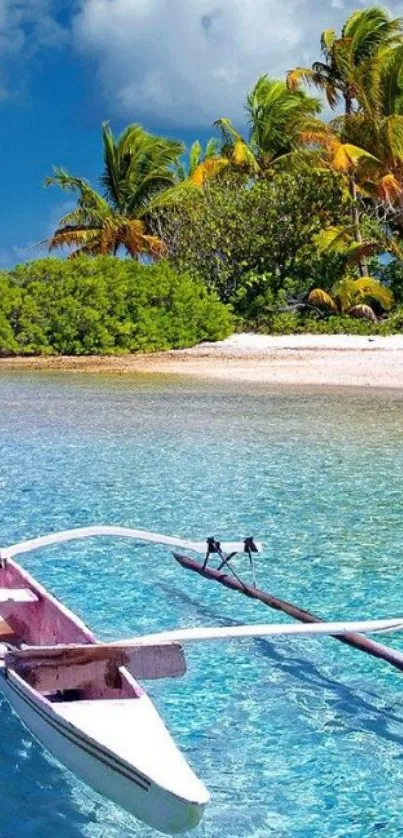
x: 5, y: 630
x: 18, y: 595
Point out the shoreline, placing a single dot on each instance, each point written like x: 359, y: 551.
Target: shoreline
x: 303, y: 360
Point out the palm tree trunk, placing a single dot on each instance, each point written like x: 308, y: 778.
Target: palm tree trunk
x: 362, y: 265
x: 355, y: 213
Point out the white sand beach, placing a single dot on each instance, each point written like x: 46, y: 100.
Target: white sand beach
x: 322, y: 360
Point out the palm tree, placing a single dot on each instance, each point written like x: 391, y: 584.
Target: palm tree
x: 367, y: 145
x: 350, y: 67
x: 276, y: 118
x: 379, y: 132
x: 355, y: 297
x: 351, y: 72
x: 202, y: 165
x: 138, y: 168
x: 236, y: 149
x: 341, y: 241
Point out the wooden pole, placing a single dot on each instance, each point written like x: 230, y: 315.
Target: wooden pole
x: 357, y: 641
x: 71, y: 665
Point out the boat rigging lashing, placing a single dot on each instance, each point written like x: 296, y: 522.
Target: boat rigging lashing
x: 250, y: 548
x: 214, y: 548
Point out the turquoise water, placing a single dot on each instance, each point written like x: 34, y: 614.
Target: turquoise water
x: 294, y: 739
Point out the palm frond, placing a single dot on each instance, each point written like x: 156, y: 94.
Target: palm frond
x: 352, y: 292
x: 71, y: 236
x: 368, y: 287
x: 392, y: 131
x: 110, y: 177
x: 227, y: 130
x: 87, y: 196
x: 362, y: 310
x: 347, y: 157
x: 298, y: 75
x: 369, y: 30
x: 173, y: 196
x: 243, y: 156
x: 389, y: 188
x: 212, y: 148
x: 341, y: 240
x: 391, y: 69
x: 327, y: 40
x: 320, y: 76
x: 276, y: 116
x: 345, y: 294
x: 322, y: 299
x: 195, y: 156
x: 207, y: 169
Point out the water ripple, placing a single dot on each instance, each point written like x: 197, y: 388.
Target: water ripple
x: 294, y: 738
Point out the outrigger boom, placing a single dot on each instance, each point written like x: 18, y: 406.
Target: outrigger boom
x: 234, y: 583
x: 118, y: 532
x: 158, y: 639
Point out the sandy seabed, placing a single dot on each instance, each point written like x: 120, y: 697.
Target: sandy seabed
x: 323, y: 360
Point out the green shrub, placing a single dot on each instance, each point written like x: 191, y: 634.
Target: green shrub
x: 9, y: 302
x: 391, y: 275
x: 288, y: 323
x: 105, y: 305
x: 252, y: 240
x: 393, y: 324
x: 340, y: 324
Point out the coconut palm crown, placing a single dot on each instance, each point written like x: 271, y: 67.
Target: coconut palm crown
x: 350, y: 68
x: 138, y: 168
x: 276, y: 118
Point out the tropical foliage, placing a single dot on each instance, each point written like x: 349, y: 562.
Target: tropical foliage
x: 104, y: 305
x: 138, y: 167
x: 202, y: 165
x: 288, y: 221
x: 350, y: 69
x: 230, y: 236
x: 357, y: 297
x: 276, y: 118
x: 300, y: 322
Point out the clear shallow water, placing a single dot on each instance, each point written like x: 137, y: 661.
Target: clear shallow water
x: 295, y: 739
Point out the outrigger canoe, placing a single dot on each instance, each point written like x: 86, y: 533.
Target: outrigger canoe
x: 96, y: 719
x: 81, y: 702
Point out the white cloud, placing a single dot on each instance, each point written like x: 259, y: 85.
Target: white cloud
x: 30, y: 250
x: 25, y: 26
x: 191, y: 61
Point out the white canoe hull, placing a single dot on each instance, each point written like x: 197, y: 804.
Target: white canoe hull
x: 99, y: 767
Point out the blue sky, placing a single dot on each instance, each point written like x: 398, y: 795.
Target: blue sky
x: 173, y: 65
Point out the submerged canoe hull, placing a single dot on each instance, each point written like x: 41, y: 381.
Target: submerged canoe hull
x: 99, y: 767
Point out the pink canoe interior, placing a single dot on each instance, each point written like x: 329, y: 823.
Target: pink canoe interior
x: 29, y: 615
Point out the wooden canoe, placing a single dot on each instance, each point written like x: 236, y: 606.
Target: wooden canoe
x: 94, y: 717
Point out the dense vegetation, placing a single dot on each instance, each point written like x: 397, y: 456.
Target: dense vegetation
x: 295, y: 226
x: 104, y: 305
x: 254, y: 244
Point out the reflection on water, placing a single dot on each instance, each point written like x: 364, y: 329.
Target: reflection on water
x: 299, y: 737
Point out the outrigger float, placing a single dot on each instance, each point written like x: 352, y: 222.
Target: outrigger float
x: 82, y: 699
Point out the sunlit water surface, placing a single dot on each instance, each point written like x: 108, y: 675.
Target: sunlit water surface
x: 294, y: 738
